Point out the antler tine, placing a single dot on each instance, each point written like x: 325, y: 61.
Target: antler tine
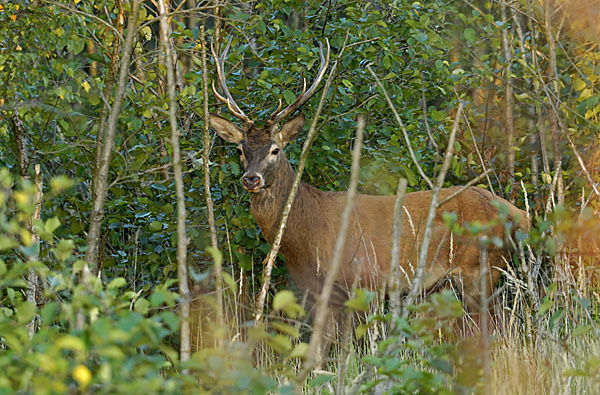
x: 227, y: 99
x: 306, y: 94
x: 276, y: 111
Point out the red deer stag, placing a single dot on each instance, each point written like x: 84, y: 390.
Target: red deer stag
x: 315, y: 217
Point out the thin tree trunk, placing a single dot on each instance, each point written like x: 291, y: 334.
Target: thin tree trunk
x: 182, y: 269
x: 312, y: 356
x: 508, y: 99
x: 207, y: 191
x: 100, y: 185
x: 533, y: 137
x: 554, y: 99
x: 24, y: 159
x: 424, y: 248
x: 483, y: 313
x: 108, y: 86
x: 394, y: 276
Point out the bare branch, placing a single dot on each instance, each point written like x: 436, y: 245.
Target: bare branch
x: 394, y: 275
x: 207, y: 193
x: 182, y: 269
x: 100, y: 182
x: 422, y: 262
x: 323, y: 299
x: 404, y: 132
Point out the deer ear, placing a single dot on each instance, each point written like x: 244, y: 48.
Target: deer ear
x: 291, y: 129
x: 225, y: 129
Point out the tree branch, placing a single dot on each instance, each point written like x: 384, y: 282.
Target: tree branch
x: 182, y: 269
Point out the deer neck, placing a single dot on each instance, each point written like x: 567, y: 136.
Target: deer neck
x: 267, y: 205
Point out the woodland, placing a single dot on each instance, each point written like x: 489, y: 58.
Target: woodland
x: 129, y: 256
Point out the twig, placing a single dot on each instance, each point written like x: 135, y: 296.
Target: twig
x: 323, y: 298
x: 93, y: 17
x: 582, y: 165
x: 404, y: 132
x: 182, y: 269
x: 483, y: 313
x: 427, y: 128
x: 422, y: 262
x: 464, y: 187
x: 394, y: 275
x: 270, y: 260
x: 486, y: 171
x: 508, y: 98
x: 207, y: 193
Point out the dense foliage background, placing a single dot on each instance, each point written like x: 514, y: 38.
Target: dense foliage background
x: 527, y: 71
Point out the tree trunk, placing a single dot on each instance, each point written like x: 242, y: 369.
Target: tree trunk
x: 100, y: 185
x: 182, y: 269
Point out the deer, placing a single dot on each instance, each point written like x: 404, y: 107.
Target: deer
x: 315, y: 217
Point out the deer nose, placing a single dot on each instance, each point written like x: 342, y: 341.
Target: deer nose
x: 252, y: 181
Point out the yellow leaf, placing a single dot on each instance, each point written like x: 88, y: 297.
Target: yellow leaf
x: 19, y: 48
x: 86, y: 86
x: 26, y: 238
x: 13, y: 17
x: 21, y: 197
x: 82, y: 375
x: 584, y: 94
x: 590, y: 113
x: 76, y: 1
x: 578, y: 84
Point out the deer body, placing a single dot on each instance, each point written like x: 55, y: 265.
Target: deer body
x: 314, y: 220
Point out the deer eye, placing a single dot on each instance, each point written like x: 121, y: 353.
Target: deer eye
x: 275, y: 151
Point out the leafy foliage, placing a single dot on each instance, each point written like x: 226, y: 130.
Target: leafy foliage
x: 58, y: 61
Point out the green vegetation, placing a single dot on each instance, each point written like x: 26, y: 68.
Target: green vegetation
x: 103, y: 314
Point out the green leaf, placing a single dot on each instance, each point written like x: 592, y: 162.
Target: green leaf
x: 64, y: 249
x: 7, y: 243
x: 286, y: 301
x: 299, y: 351
x: 215, y: 254
x: 25, y: 312
x: 155, y: 226
x: 60, y: 183
x: 469, y: 35
x: 361, y: 301
x: 581, y: 330
x: 117, y: 283
x: 289, y: 96
x: 49, y: 312
x: 283, y: 299
x: 545, y: 306
x: 141, y: 306
x: 69, y: 342
x: 286, y: 329
x: 51, y: 225
x: 438, y: 115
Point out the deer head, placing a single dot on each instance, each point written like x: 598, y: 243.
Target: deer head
x: 261, y: 148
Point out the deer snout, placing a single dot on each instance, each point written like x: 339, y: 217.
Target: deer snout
x: 252, y: 182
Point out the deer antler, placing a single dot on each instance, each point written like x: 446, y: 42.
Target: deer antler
x: 231, y: 104
x: 306, y: 94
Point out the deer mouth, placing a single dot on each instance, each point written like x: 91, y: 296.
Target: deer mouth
x: 253, y: 188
